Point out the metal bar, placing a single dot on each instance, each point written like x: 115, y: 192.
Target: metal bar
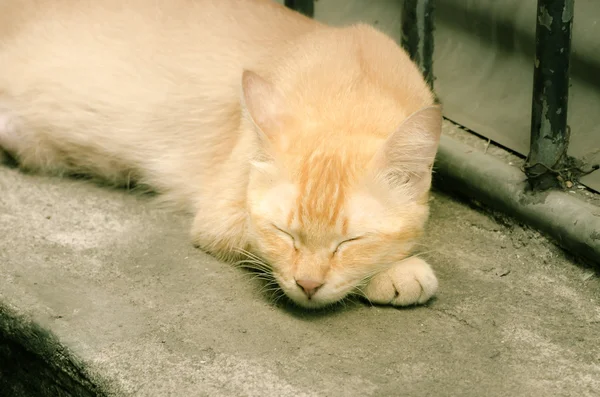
x: 549, y: 130
x: 417, y: 34
x: 306, y: 7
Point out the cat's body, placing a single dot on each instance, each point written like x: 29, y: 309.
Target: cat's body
x: 283, y: 136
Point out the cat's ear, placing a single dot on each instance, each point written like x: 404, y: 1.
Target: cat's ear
x: 407, y: 156
x: 263, y: 103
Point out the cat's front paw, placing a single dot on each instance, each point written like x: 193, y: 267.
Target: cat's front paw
x: 409, y: 282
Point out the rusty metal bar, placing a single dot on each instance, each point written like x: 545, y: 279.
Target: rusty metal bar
x: 549, y: 131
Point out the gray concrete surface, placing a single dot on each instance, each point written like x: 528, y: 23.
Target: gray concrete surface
x: 117, y: 299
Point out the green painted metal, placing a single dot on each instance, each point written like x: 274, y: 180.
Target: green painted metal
x: 417, y: 34
x: 547, y: 159
x: 484, y: 57
x: 306, y: 7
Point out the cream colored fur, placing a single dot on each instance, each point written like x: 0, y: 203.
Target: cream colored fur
x: 305, y: 147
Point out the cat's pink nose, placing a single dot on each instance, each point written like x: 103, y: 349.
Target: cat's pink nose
x: 309, y: 286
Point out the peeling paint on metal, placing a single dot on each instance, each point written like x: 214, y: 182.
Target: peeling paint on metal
x: 546, y: 126
x: 567, y: 14
x: 545, y: 19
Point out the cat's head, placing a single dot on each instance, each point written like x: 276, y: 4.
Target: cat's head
x: 333, y: 199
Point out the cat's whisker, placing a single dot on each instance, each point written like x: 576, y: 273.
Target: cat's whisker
x: 247, y: 253
x: 252, y: 265
x: 270, y: 281
x: 270, y: 291
x: 420, y: 254
x: 359, y: 291
x: 259, y: 274
x: 367, y: 278
x: 262, y: 279
x: 276, y: 298
x: 251, y: 262
x: 271, y: 284
x: 343, y: 301
x: 249, y: 266
x: 263, y: 276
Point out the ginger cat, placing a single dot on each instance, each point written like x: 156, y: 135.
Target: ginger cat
x: 307, y: 147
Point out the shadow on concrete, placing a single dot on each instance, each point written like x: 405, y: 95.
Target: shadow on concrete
x: 34, y: 363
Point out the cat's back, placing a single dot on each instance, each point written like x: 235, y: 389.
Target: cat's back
x: 89, y: 78
x: 211, y: 17
x: 203, y: 41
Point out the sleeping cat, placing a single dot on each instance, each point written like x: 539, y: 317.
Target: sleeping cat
x: 306, y: 148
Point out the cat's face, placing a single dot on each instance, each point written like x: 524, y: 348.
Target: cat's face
x: 327, y: 214
x: 324, y: 242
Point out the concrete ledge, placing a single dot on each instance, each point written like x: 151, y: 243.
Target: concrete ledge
x: 102, y: 294
x: 571, y: 222
x: 35, y: 363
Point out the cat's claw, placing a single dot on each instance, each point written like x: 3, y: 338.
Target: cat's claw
x: 410, y: 282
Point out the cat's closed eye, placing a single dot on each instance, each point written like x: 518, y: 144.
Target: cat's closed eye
x: 287, y: 234
x: 344, y: 243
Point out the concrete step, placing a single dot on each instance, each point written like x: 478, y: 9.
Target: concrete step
x: 102, y: 294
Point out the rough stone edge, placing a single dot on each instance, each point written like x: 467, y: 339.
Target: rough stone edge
x: 572, y: 223
x: 34, y: 362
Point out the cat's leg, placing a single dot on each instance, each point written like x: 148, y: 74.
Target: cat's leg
x: 220, y: 230
x: 18, y: 145
x: 7, y: 135
x: 32, y: 150
x: 409, y: 282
